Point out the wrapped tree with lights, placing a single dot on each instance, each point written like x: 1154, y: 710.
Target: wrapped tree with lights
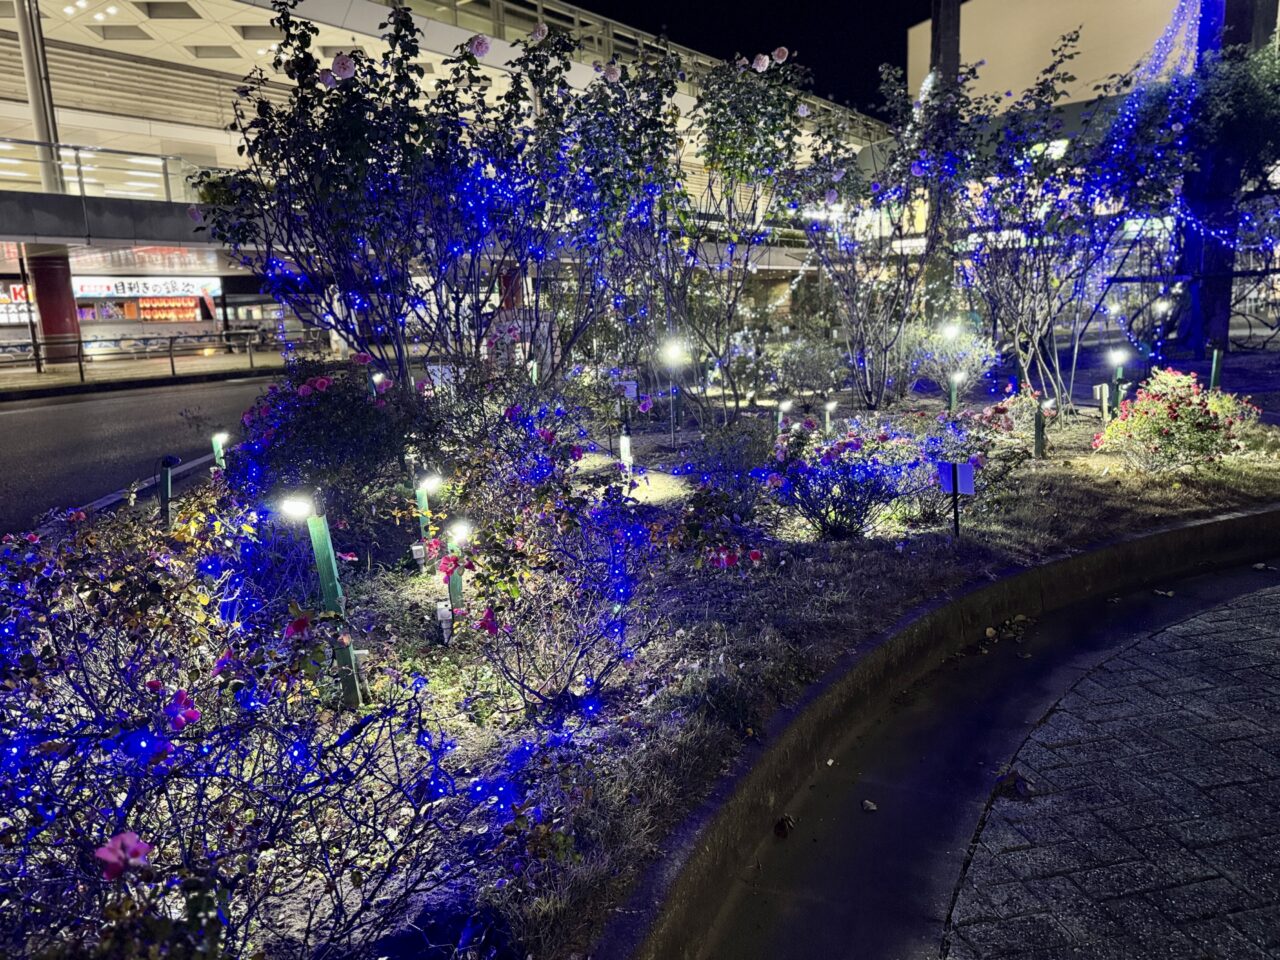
x: 444, y: 219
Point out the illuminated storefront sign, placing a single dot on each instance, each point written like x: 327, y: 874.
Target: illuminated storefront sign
x: 96, y: 288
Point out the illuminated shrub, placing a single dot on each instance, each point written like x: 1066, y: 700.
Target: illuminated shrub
x: 1175, y: 422
x: 848, y: 487
x: 172, y: 766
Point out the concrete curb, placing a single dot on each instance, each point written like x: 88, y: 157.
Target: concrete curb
x: 672, y: 907
x: 110, y: 386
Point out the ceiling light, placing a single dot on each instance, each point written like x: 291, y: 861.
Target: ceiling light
x: 262, y: 52
x: 9, y: 160
x: 69, y: 10
x: 99, y: 16
x: 148, y: 161
x: 141, y: 184
x: 82, y: 3
x: 13, y: 173
x: 112, y: 11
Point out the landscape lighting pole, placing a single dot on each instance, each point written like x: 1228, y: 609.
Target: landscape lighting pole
x: 828, y: 408
x: 300, y: 507
x: 1116, y: 358
x: 954, y: 382
x: 219, y: 441
x: 427, y: 488
x: 456, y: 537
x: 784, y: 407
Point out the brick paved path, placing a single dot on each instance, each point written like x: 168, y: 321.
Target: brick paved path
x: 1153, y: 829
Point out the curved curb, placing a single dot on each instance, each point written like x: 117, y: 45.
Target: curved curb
x: 675, y: 901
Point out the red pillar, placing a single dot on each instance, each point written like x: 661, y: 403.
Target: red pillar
x: 50, y: 272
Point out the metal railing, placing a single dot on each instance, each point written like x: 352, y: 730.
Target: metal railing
x: 244, y: 347
x: 31, y: 165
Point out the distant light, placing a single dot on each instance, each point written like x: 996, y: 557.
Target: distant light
x: 951, y: 331
x: 786, y: 405
x: 112, y: 11
x: 69, y: 11
x: 459, y: 532
x: 830, y: 405
x: 99, y: 16
x: 379, y: 377
x: 675, y: 353
x: 297, y: 507
x: 1117, y: 357
x: 221, y: 437
x: 959, y: 376
x: 431, y: 483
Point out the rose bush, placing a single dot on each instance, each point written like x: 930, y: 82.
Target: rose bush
x: 1175, y: 422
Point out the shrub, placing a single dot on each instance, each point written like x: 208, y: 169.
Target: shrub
x: 721, y: 463
x: 326, y: 429
x: 809, y: 366
x: 172, y: 770
x: 954, y: 350
x: 562, y: 562
x: 847, y: 487
x: 1174, y: 422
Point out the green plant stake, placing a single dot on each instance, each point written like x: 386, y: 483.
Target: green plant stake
x: 166, y: 491
x: 1215, y: 371
x: 331, y: 591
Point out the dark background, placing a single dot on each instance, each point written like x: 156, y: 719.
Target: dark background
x: 842, y: 41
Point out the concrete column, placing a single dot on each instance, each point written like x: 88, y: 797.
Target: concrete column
x: 50, y: 271
x: 944, y: 36
x: 35, y: 72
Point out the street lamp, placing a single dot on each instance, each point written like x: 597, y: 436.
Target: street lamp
x: 298, y: 507
x: 1116, y: 357
x: 219, y: 441
x: 828, y: 408
x: 784, y: 407
x: 955, y: 380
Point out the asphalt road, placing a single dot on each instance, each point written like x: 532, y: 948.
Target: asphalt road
x: 67, y: 451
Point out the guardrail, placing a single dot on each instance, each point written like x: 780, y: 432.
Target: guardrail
x: 38, y: 354
x: 74, y: 170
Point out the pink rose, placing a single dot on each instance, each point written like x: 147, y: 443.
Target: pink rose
x: 121, y: 852
x: 760, y: 64
x: 344, y: 68
x: 780, y: 55
x: 305, y: 391
x: 645, y: 404
x: 802, y: 110
x: 362, y: 359
x: 327, y: 78
x: 478, y: 46
x: 488, y: 623
x: 323, y: 383
x: 538, y: 33
x: 612, y: 73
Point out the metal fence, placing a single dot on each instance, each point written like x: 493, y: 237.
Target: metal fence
x: 241, y: 348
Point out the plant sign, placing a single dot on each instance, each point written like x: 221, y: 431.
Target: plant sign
x: 956, y: 479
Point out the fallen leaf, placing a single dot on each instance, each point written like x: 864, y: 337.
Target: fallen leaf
x: 869, y: 806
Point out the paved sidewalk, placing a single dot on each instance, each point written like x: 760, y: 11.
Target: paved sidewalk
x: 157, y: 369
x: 1153, y: 824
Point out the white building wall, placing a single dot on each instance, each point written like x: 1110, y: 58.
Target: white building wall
x: 1015, y: 37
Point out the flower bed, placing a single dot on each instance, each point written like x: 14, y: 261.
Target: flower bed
x: 179, y: 763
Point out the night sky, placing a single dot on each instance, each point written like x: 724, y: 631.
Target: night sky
x: 842, y: 41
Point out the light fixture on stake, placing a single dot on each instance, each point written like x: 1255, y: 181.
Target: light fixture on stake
x: 219, y: 441
x: 675, y: 354
x: 427, y: 488
x: 456, y: 537
x: 374, y: 380
x: 784, y: 408
x: 1042, y: 412
x: 1215, y: 370
x: 828, y: 408
x: 954, y: 382
x: 951, y: 331
x: 299, y: 507
x: 1116, y: 357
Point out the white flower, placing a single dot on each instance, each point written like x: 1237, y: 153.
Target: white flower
x: 344, y: 68
x: 478, y: 46
x: 760, y: 64
x: 538, y: 33
x: 613, y: 73
x: 780, y: 55
x: 802, y: 109
x: 742, y: 63
x: 327, y: 78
